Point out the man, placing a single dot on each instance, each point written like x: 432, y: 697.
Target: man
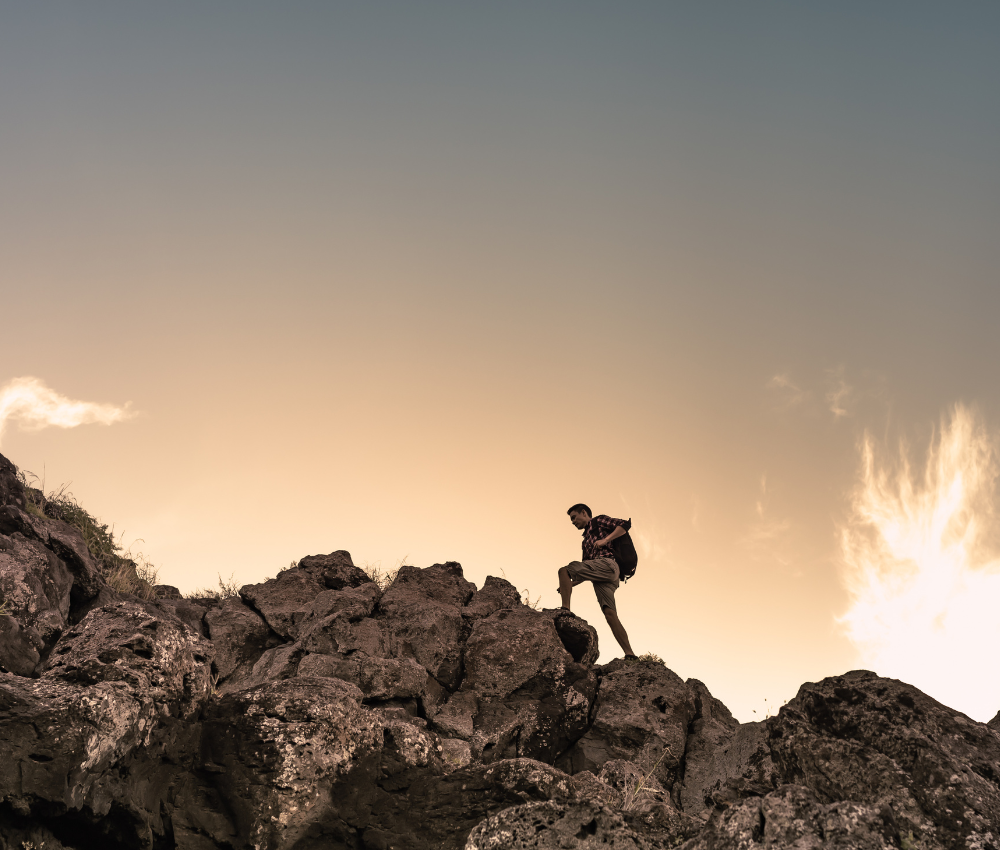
x: 598, y: 566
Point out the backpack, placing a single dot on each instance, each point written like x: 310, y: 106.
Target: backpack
x: 625, y: 553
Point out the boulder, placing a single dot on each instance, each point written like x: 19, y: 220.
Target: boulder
x: 335, y: 571
x: 294, y: 757
x: 155, y: 655
x: 376, y: 678
x: 284, y: 602
x: 642, y: 713
x: 794, y: 817
x: 11, y: 489
x: 577, y: 635
x: 495, y: 595
x: 863, y: 739
x: 711, y: 729
x: 554, y: 826
x: 35, y: 587
x: 238, y: 634
x: 420, y: 613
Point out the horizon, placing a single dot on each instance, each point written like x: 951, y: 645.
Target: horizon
x: 409, y: 282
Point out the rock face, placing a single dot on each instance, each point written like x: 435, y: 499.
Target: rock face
x: 318, y: 710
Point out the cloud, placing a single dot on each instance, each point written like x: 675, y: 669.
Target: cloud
x: 839, y: 393
x: 918, y: 565
x: 34, y: 406
x: 766, y: 535
x: 792, y: 394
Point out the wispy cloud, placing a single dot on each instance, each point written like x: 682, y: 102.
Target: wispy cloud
x: 34, y: 406
x: 766, y: 535
x: 839, y: 393
x: 791, y: 394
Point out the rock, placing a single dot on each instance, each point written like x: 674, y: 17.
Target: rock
x: 19, y: 649
x: 155, y: 655
x: 35, y: 587
x: 11, y: 490
x: 281, y: 662
x: 553, y: 826
x: 881, y: 742
x: 794, y: 817
x: 285, y: 753
x: 510, y: 647
x: 495, y: 595
x: 643, y: 709
x: 339, y: 634
x: 711, y: 730
x: 994, y: 724
x: 577, y: 635
x: 335, y: 571
x: 238, y: 634
x: 376, y: 678
x: 421, y: 616
x: 284, y: 602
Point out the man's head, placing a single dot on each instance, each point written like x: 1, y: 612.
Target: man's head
x: 579, y: 515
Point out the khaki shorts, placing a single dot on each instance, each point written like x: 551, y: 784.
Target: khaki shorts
x: 603, y: 572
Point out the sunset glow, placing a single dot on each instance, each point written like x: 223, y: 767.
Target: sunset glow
x: 922, y: 573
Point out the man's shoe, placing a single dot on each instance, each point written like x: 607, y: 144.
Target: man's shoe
x: 631, y: 659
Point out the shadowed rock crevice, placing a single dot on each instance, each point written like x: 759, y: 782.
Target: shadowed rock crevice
x: 316, y: 711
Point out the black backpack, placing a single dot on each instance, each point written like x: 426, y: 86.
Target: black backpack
x: 625, y: 553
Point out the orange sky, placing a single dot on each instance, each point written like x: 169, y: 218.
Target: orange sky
x: 411, y: 283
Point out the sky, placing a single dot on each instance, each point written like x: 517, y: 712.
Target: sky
x: 410, y: 279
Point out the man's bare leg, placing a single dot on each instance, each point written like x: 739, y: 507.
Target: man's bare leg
x: 618, y: 630
x: 565, y: 587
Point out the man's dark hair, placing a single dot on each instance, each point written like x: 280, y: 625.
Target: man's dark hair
x: 581, y: 507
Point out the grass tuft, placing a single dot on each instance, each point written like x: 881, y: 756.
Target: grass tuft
x: 227, y: 588
x: 125, y: 570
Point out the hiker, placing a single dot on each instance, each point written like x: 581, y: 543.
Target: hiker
x: 598, y: 566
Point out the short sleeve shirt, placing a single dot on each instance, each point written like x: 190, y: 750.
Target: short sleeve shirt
x: 597, y: 529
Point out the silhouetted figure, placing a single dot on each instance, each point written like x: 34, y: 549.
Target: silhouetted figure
x: 598, y: 566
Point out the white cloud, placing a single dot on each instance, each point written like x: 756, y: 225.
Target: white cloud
x: 34, y: 406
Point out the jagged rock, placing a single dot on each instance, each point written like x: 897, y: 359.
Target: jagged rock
x: 284, y: 602
x: 335, y: 571
x: 433, y: 714
x: 553, y: 826
x: 165, y: 663
x: 711, y: 730
x: 341, y: 634
x: 421, y: 615
x: 19, y: 649
x: 578, y: 636
x: 11, y: 490
x: 238, y: 634
x: 994, y: 724
x: 285, y: 751
x: 35, y: 587
x: 862, y: 738
x: 642, y: 707
x: 281, y: 662
x: 377, y: 678
x: 496, y: 594
x: 793, y: 817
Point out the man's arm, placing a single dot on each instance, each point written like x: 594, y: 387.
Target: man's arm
x: 614, y: 535
x: 616, y: 532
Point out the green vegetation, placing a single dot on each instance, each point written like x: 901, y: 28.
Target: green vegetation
x: 125, y: 570
x: 631, y: 797
x: 382, y: 578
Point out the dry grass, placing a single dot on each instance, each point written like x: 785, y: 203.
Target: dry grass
x: 125, y: 570
x: 227, y: 588
x: 635, y: 794
x: 383, y: 577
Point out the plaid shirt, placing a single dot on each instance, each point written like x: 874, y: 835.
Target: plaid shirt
x: 597, y: 529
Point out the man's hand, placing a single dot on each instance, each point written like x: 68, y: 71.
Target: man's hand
x: 603, y: 542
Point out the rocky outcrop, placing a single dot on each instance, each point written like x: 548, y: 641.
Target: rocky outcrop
x: 320, y: 710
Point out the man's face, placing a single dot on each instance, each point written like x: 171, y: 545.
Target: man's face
x: 579, y: 518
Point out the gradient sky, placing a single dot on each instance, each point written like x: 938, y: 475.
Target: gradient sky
x: 410, y: 279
